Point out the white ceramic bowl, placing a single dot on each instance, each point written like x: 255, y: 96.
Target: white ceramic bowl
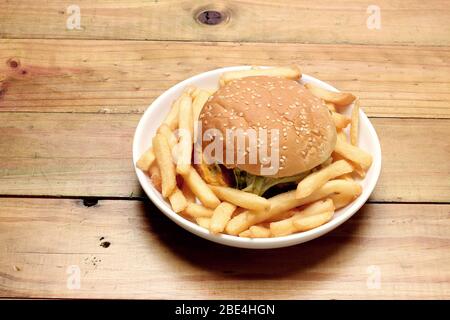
x: 155, y: 114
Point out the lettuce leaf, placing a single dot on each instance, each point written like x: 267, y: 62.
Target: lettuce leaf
x: 259, y: 184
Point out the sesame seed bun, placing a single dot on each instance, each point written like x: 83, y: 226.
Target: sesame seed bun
x: 307, y: 134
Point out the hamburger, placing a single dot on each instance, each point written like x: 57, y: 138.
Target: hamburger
x: 294, y: 133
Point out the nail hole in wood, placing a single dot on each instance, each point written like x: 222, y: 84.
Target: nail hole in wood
x: 89, y: 202
x: 211, y: 17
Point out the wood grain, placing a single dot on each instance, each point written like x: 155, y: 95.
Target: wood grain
x: 62, y: 154
x: 150, y: 257
x: 402, y: 22
x: 126, y: 76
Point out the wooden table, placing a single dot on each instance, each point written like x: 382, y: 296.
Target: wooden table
x: 71, y: 206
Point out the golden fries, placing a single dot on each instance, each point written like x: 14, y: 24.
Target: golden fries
x: 245, y: 234
x: 172, y: 117
x: 287, y: 226
x: 256, y: 232
x: 201, y: 189
x: 340, y: 121
x: 197, y: 106
x: 341, y: 134
x: 221, y: 216
x: 155, y: 176
x: 307, y: 223
x: 241, y: 198
x: 203, y: 222
x: 346, y: 176
x: 318, y: 178
x: 292, y: 72
x: 165, y: 130
x: 195, y: 210
x: 285, y: 202
x: 165, y: 163
x: 327, y: 162
x: 330, y: 106
x: 340, y: 200
x: 340, y: 99
x: 185, y: 132
x: 188, y: 194
x: 354, y: 128
x: 146, y: 160
x: 353, y: 153
x: 178, y: 201
x: 259, y: 232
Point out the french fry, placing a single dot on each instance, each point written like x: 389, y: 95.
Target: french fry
x: 354, y: 128
x: 353, y: 153
x: 287, y: 201
x: 203, y: 222
x: 287, y: 226
x: 172, y: 117
x: 185, y: 132
x: 197, y: 106
x: 190, y: 90
x: 178, y: 201
x: 198, y: 103
x: 259, y: 232
x: 307, y: 223
x: 341, y: 134
x: 245, y: 234
x: 281, y: 216
x: 326, y: 163
x: 330, y: 106
x: 201, y: 189
x: 165, y: 130
x: 340, y: 121
x: 196, y: 210
x: 240, y: 198
x: 340, y: 200
x: 356, y: 167
x: 346, y: 176
x: 315, y: 180
x: 155, y: 176
x: 292, y: 72
x: 165, y: 163
x: 221, y: 216
x: 195, y: 92
x: 340, y: 99
x: 146, y: 160
x: 188, y: 194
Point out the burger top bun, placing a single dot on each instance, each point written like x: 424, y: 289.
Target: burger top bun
x: 307, y: 134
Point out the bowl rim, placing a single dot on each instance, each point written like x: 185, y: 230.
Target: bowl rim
x: 236, y: 241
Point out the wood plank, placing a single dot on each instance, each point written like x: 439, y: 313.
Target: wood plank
x: 126, y: 76
x: 150, y: 257
x: 402, y: 22
x: 62, y: 154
